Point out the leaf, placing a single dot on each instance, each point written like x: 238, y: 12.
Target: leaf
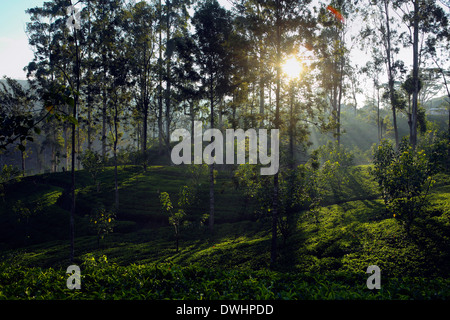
x: 50, y: 109
x: 72, y: 120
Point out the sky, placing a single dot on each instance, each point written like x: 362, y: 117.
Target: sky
x: 15, y: 53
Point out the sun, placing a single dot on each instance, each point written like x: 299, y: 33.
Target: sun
x: 292, y: 68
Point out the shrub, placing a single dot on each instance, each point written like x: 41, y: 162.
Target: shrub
x: 102, y: 221
x: 405, y: 178
x: 93, y: 163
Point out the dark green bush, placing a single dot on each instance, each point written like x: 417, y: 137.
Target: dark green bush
x: 103, y: 280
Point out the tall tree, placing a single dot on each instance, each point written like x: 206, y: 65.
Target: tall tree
x: 424, y: 19
x: 333, y: 52
x: 174, y: 22
x: 379, y: 29
x: 141, y: 38
x: 283, y: 21
x: 212, y: 30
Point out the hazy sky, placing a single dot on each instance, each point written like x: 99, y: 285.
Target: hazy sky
x: 14, y: 50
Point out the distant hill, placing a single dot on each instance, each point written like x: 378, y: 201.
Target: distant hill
x: 24, y: 83
x: 437, y: 106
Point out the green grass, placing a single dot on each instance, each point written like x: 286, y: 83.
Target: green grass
x: 335, y: 247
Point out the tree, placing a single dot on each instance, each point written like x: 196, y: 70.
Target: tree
x: 333, y: 54
x: 102, y: 221
x: 8, y: 174
x: 107, y: 28
x: 141, y: 32
x: 212, y: 30
x: 423, y: 18
x: 176, y: 218
x: 17, y: 123
x: 436, y: 48
x: 405, y: 178
x: 373, y: 69
x: 176, y: 16
x: 92, y: 162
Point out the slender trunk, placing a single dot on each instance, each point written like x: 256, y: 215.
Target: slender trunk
x: 144, y: 136
x: 23, y: 162
x: 89, y: 128
x: 261, y: 76
x: 261, y: 96
x: 291, y: 128
x: 390, y: 75
x: 273, y: 251
x: 78, y: 148
x: 160, y: 102
x: 168, y: 77
x: 192, y: 114
x: 54, y: 153
x: 413, y: 136
x: 104, y: 109
x: 378, y: 115
x: 89, y: 94
x: 341, y: 79
x: 116, y: 140
x: 211, y: 166
x: 66, y: 145
x: 116, y: 184
x: 74, y: 114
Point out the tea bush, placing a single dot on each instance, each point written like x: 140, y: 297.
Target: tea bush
x: 101, y: 279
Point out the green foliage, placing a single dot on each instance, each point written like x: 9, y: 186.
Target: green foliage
x: 405, y: 178
x: 435, y: 145
x: 342, y: 237
x: 25, y: 211
x: 103, y: 280
x: 7, y: 175
x: 176, y: 218
x: 93, y: 163
x: 333, y: 153
x: 103, y: 222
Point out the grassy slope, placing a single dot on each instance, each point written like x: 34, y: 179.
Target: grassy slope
x: 350, y: 233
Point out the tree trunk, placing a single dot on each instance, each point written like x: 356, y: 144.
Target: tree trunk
x: 104, y: 109
x: 89, y: 94
x: 104, y: 115
x: 144, y: 136
x: 74, y: 114
x: 211, y: 166
x: 116, y: 136
x: 23, y: 162
x: 413, y: 136
x: 273, y: 250
x: 168, y: 77
x: 390, y: 75
x: 291, y: 128
x: 338, y: 129
x: 160, y: 102
x: 378, y: 115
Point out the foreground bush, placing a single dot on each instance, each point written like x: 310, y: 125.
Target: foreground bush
x: 102, y: 280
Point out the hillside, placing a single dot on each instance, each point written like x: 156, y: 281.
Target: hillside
x: 349, y: 233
